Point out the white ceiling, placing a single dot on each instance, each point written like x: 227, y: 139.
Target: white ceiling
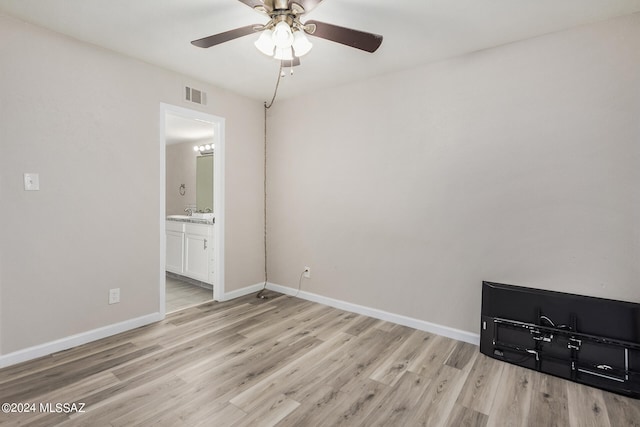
x: 415, y: 32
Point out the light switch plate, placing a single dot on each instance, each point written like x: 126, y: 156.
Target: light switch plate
x: 31, y: 182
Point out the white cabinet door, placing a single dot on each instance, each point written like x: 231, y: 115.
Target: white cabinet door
x: 196, y: 256
x: 175, y: 250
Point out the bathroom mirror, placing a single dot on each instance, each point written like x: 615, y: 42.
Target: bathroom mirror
x: 189, y: 184
x: 204, y: 183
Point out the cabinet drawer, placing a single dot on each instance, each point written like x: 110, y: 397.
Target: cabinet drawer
x: 199, y: 229
x: 175, y: 226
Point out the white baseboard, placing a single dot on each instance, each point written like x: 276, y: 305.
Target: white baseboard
x: 75, y: 340
x: 243, y: 291
x: 422, y: 325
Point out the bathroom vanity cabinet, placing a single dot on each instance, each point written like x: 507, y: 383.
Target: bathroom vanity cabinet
x: 175, y: 247
x: 190, y: 250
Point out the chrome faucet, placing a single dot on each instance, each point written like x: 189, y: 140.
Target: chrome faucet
x: 189, y: 211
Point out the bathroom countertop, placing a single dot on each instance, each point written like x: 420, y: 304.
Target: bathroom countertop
x: 185, y: 218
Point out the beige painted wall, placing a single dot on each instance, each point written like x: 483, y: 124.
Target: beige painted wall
x: 87, y: 120
x: 519, y: 164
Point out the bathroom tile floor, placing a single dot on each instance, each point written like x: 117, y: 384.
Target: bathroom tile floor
x: 180, y: 294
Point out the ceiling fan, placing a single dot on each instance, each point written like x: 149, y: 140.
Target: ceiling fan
x: 284, y: 36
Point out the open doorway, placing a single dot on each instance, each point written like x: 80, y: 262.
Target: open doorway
x: 191, y: 208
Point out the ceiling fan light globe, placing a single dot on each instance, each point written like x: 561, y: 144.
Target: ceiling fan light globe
x: 265, y: 43
x: 283, y: 54
x: 301, y: 43
x: 282, y: 36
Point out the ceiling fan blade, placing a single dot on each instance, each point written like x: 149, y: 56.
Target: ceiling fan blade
x: 255, y: 3
x: 224, y: 37
x: 368, y: 42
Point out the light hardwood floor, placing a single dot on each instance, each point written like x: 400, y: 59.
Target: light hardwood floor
x: 290, y: 362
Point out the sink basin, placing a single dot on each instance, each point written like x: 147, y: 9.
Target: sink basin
x: 178, y: 217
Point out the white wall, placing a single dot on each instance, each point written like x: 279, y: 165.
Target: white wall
x: 518, y: 164
x: 87, y: 120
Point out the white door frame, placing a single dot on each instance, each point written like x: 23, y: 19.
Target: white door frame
x: 218, y: 196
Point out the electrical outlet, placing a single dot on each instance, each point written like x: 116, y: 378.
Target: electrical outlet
x: 31, y: 182
x: 307, y: 272
x: 114, y: 296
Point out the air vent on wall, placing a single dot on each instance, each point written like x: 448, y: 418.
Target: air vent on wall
x: 194, y: 95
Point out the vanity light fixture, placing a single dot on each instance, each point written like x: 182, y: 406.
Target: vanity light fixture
x: 204, y: 149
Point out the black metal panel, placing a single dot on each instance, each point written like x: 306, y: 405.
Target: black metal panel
x: 595, y: 341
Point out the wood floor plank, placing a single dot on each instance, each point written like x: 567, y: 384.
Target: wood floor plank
x: 393, y: 368
x: 139, y: 402
x: 276, y: 320
x: 111, y: 397
x: 83, y: 352
x: 372, y: 348
x: 481, y: 384
x: 309, y: 326
x: 439, y: 399
x: 182, y: 405
x: 235, y: 376
x: 549, y: 401
x: 34, y: 385
x: 435, y: 354
x: 208, y: 322
x: 324, y: 371
x: 194, y: 408
x: 314, y: 409
x: 226, y: 416
x: 586, y: 406
x: 340, y: 323
x: 291, y: 378
x: 270, y: 414
x: 461, y: 355
x: 399, y: 402
x: 234, y: 356
x: 362, y: 324
x: 71, y: 393
x: 102, y: 349
x: 465, y: 417
x: 353, y: 407
x: 513, y: 398
x: 175, y: 357
x: 622, y: 411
